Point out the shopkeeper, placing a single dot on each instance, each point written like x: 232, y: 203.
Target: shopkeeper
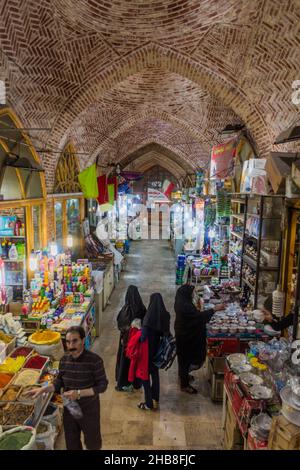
x: 82, y: 377
x: 275, y: 326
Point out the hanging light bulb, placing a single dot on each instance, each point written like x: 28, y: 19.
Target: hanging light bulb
x: 211, y: 233
x: 53, y: 248
x: 32, y: 261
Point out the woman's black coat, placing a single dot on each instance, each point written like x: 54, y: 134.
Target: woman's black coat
x: 190, y: 328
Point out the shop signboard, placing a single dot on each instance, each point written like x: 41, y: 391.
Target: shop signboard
x: 223, y: 160
x: 156, y: 196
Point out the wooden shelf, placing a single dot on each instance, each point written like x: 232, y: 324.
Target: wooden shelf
x: 237, y: 235
x: 263, y: 217
x: 238, y: 216
x: 12, y: 236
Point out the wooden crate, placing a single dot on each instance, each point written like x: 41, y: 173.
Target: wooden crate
x: 284, y: 435
x: 233, y: 439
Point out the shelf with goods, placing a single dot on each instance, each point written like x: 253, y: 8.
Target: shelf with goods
x: 13, y: 250
x: 222, y: 232
x: 291, y: 263
x: 237, y: 226
x: 260, y: 263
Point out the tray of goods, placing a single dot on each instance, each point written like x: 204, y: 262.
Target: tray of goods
x: 9, y: 341
x: 17, y: 414
x: 10, y: 394
x: 5, y: 380
x: 12, y: 365
x: 22, y: 397
x: 27, y: 377
x: 37, y: 362
x: 24, y: 351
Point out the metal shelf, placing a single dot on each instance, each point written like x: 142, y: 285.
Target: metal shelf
x: 253, y: 263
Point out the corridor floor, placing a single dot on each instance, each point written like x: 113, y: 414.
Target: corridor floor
x: 183, y: 421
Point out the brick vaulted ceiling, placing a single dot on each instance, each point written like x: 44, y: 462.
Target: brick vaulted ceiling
x: 116, y: 76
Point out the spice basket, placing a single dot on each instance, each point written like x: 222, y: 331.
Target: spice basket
x: 3, y: 402
x: 47, y: 360
x: 11, y: 346
x: 28, y: 355
x: 2, y: 390
x: 9, y: 420
x: 17, y: 375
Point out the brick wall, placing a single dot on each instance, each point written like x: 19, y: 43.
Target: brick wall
x: 116, y: 75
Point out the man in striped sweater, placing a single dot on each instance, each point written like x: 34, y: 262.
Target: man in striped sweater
x: 82, y: 378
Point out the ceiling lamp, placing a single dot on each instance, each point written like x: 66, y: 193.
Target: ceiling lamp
x: 21, y: 163
x: 289, y: 135
x: 232, y: 128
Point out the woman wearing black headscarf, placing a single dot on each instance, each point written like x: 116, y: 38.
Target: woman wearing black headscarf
x: 190, y: 334
x: 132, y: 310
x: 156, y: 324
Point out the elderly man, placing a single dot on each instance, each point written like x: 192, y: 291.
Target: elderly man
x: 81, y: 377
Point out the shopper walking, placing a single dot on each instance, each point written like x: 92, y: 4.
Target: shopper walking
x: 133, y: 309
x: 156, y: 324
x: 190, y: 334
x: 82, y: 378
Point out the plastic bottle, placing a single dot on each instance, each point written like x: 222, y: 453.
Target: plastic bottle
x: 13, y: 253
x: 278, y: 298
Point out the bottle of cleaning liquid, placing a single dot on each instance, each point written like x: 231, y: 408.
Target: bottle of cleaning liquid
x: 278, y: 298
x: 13, y: 253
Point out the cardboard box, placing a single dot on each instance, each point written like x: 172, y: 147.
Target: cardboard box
x: 15, y: 308
x: 284, y: 435
x: 278, y: 167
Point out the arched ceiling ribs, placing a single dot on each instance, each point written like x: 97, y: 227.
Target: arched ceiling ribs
x: 152, y: 55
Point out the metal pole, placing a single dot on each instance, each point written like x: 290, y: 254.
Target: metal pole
x: 244, y: 240
x: 261, y: 209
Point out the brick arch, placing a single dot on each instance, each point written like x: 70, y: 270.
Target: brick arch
x: 201, y: 72
x: 191, y: 134
x: 152, y: 130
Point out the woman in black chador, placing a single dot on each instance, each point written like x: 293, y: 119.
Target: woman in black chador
x: 132, y: 310
x: 156, y: 324
x: 190, y: 334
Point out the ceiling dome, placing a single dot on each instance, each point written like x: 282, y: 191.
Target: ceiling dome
x: 142, y: 19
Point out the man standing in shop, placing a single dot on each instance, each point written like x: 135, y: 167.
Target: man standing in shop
x: 82, y: 378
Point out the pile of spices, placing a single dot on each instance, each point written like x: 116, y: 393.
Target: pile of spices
x: 44, y: 337
x: 35, y: 362
x: 21, y: 351
x: 5, y: 379
x: 27, y: 377
x: 42, y: 428
x: 15, y: 440
x: 10, y: 394
x: 5, y: 338
x: 12, y: 365
x: 17, y: 414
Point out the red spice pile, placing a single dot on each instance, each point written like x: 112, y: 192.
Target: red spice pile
x: 22, y: 351
x: 35, y: 362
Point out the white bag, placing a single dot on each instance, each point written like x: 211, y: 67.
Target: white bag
x: 54, y: 418
x: 31, y: 443
x: 45, y: 440
x: 55, y: 351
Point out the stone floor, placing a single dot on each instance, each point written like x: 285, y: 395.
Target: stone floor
x: 183, y: 421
